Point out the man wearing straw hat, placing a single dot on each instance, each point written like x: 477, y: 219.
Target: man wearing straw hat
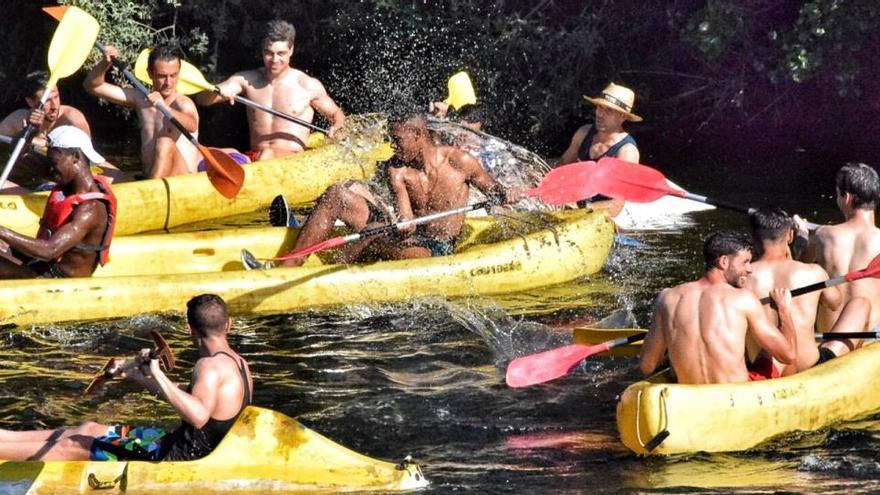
x: 606, y: 136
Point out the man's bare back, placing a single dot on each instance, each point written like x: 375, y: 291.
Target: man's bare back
x: 767, y: 274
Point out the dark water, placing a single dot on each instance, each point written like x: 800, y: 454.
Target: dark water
x: 426, y: 378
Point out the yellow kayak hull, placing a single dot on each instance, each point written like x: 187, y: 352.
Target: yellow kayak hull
x: 160, y: 204
x: 734, y: 417
x: 264, y: 451
x: 574, y: 245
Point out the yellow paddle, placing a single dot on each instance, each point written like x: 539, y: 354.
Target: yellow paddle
x: 191, y: 81
x: 70, y: 46
x: 461, y: 91
x: 225, y: 174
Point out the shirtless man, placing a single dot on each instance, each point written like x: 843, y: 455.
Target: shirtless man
x: 220, y: 388
x: 433, y: 179
x: 606, y: 137
x: 164, y: 150
x: 282, y: 87
x: 53, y: 114
x: 847, y: 247
x: 78, y: 220
x: 704, y: 324
x: 773, y: 232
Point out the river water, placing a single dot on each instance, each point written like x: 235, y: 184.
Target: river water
x: 426, y: 379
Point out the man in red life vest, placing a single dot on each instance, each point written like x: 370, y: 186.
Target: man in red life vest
x: 78, y: 221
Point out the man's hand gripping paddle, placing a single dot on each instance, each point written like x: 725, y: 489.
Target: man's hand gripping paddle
x: 114, y: 368
x: 562, y: 185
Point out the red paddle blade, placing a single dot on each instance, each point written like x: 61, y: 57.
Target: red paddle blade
x: 634, y: 182
x: 225, y: 174
x: 872, y: 270
x: 329, y: 243
x: 549, y: 365
x: 566, y: 184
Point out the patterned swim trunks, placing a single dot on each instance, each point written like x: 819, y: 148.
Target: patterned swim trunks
x: 122, y: 443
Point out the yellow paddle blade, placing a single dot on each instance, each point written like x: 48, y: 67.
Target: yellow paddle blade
x: 189, y: 82
x: 73, y: 40
x: 461, y: 91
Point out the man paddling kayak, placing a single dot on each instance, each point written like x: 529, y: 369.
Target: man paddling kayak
x: 282, y: 87
x: 704, y: 324
x: 52, y: 115
x: 431, y: 179
x: 165, y: 151
x: 853, y: 243
x: 773, y: 231
x: 220, y: 388
x: 606, y: 136
x: 78, y: 221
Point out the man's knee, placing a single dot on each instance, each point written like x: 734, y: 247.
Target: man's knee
x: 90, y: 429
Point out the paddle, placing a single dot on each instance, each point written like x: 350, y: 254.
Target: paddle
x: 225, y: 174
x: 191, y: 81
x: 638, y: 183
x: 549, y: 365
x: 560, y: 186
x: 161, y: 351
x: 39, y: 149
x: 69, y: 48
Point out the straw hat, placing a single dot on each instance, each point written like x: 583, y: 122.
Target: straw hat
x: 618, y: 98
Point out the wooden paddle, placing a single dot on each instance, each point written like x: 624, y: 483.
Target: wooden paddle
x: 562, y: 185
x: 225, y: 174
x: 161, y: 351
x: 639, y: 183
x: 191, y: 81
x: 68, y: 50
x: 550, y: 365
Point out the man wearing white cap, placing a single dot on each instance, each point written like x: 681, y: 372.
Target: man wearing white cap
x: 78, y: 220
x: 606, y: 137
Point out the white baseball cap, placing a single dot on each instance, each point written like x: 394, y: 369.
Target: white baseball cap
x: 71, y: 137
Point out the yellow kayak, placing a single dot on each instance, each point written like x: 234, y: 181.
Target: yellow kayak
x: 493, y: 257
x: 265, y: 451
x: 161, y: 204
x: 732, y: 417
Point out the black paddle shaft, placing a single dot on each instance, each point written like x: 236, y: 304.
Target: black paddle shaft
x: 719, y: 203
x: 122, y: 67
x: 810, y: 288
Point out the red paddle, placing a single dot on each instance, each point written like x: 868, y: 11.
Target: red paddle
x: 550, y: 365
x: 638, y: 183
x: 562, y: 185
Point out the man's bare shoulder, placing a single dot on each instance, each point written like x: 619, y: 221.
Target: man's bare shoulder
x: 311, y: 84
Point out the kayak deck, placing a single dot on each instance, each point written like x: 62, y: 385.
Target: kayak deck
x: 264, y: 451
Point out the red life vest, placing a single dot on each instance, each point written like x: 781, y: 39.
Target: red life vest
x: 59, y: 208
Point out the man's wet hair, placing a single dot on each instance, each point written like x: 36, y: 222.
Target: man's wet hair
x: 35, y: 82
x: 771, y: 224
x: 470, y: 113
x: 207, y: 314
x: 162, y: 52
x: 724, y: 243
x: 410, y: 119
x: 862, y: 182
x: 279, y: 30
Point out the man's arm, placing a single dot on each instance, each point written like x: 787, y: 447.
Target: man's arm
x: 629, y: 152
x: 13, y: 124
x: 229, y: 89
x: 570, y: 155
x: 183, y: 109
x: 477, y: 175
x: 397, y: 177
x: 654, y: 347
x: 96, y: 84
x: 85, y: 218
x: 195, y: 408
x: 782, y: 346
x: 325, y: 105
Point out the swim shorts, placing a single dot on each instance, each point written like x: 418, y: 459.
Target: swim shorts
x: 122, y: 443
x: 762, y: 368
x: 825, y: 354
x: 238, y: 157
